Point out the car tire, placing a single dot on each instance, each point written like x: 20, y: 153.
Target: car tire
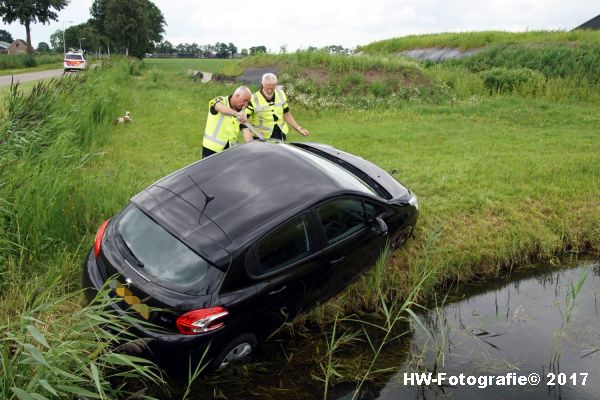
x: 401, y: 237
x: 237, y: 350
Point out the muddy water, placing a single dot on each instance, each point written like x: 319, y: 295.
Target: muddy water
x: 543, y: 322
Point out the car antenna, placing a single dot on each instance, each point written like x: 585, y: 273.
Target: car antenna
x: 206, y: 196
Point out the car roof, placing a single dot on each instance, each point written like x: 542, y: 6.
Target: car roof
x: 249, y: 185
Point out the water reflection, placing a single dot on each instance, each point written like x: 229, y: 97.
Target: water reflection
x: 546, y: 324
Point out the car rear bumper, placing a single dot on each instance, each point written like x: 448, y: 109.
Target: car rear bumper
x: 92, y: 282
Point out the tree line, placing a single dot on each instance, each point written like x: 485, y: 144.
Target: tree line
x: 125, y: 26
x: 130, y: 27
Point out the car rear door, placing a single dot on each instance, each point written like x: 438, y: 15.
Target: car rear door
x: 285, y: 266
x: 351, y: 245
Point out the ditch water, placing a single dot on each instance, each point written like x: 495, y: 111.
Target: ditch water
x: 541, y: 322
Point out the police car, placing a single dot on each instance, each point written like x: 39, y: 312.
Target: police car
x: 74, y: 62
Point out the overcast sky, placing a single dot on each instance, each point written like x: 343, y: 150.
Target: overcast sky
x: 304, y: 23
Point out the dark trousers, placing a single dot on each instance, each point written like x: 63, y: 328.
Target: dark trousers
x: 208, y: 152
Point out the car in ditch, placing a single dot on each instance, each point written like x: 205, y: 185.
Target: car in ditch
x: 221, y: 253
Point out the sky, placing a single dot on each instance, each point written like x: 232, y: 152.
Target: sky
x: 304, y: 23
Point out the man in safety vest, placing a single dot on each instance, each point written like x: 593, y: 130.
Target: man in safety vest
x: 223, y: 121
x: 269, y: 112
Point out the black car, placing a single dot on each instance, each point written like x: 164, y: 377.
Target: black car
x: 227, y: 249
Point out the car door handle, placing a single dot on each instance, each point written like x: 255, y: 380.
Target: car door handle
x: 337, y: 260
x: 281, y: 289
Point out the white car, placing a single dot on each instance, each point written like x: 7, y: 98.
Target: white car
x: 74, y: 61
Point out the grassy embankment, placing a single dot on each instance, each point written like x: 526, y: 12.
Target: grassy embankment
x: 505, y: 175
x: 471, y: 40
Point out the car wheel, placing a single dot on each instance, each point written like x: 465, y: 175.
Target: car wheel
x: 401, y: 237
x: 238, y: 350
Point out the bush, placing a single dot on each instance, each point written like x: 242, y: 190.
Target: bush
x: 509, y: 80
x: 554, y: 61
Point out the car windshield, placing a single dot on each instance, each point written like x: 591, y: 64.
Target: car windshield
x: 160, y: 254
x: 73, y: 57
x: 341, y: 176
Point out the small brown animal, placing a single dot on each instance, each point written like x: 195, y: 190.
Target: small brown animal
x: 124, y: 119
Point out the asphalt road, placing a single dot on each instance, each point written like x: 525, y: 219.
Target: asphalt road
x: 30, y: 76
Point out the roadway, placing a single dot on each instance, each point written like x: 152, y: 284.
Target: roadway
x: 30, y: 76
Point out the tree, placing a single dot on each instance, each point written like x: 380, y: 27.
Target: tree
x: 222, y: 50
x: 257, y: 49
x: 134, y: 26
x: 5, y: 36
x: 336, y: 49
x: 43, y: 47
x: 85, y: 34
x: 232, y: 49
x: 30, y: 11
x: 56, y: 40
x: 164, y: 47
x: 244, y: 52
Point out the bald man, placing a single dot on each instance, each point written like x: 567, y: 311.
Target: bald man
x: 223, y: 121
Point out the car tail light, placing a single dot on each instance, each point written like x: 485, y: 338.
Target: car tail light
x: 99, y: 236
x: 201, y: 321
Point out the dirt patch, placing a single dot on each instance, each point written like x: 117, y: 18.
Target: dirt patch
x: 316, y: 75
x: 400, y: 78
x: 373, y: 75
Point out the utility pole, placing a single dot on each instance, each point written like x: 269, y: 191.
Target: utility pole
x: 64, y: 43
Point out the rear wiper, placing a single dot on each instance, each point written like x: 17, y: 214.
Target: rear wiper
x: 138, y: 263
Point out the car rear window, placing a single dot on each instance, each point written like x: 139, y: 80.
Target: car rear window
x: 342, y: 177
x: 161, y: 255
x: 73, y: 57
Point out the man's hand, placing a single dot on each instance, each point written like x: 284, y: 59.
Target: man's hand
x: 241, y: 116
x: 304, y: 132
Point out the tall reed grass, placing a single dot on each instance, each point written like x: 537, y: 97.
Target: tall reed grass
x: 49, y: 207
x: 23, y: 60
x: 54, y: 348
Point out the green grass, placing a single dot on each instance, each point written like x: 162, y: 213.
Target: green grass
x: 502, y: 178
x: 470, y: 40
x: 18, y: 61
x: 43, y: 67
x: 182, y: 65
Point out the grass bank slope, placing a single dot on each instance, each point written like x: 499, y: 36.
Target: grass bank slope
x: 471, y: 40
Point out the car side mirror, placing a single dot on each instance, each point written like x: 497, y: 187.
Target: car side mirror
x: 379, y: 226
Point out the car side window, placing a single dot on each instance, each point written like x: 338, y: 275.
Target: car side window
x: 373, y: 210
x: 341, y: 218
x: 286, y: 245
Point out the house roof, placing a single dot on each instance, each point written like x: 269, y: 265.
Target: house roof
x: 4, y: 44
x: 593, y: 23
x: 20, y: 42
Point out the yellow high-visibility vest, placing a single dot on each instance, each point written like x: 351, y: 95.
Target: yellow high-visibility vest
x: 220, y: 129
x: 262, y: 117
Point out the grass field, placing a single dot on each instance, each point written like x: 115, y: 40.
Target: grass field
x: 502, y: 178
